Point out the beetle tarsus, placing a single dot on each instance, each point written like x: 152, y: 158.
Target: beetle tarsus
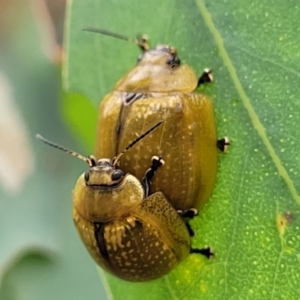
x: 207, y: 252
x: 205, y: 77
x: 188, y: 213
x: 156, y: 162
x: 223, y: 144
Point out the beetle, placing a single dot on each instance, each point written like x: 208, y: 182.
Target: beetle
x: 131, y: 233
x: 160, y: 88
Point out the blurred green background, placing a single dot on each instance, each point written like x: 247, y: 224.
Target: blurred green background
x: 41, y: 256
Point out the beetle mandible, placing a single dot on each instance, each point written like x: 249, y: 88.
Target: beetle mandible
x: 160, y: 88
x: 135, y: 235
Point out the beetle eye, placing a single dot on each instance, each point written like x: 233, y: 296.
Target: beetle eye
x: 174, y: 61
x: 86, y: 176
x: 117, y: 174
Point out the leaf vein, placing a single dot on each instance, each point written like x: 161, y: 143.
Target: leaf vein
x: 245, y: 99
x: 268, y: 60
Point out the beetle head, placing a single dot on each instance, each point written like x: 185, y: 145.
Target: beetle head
x: 160, y: 55
x: 103, y: 174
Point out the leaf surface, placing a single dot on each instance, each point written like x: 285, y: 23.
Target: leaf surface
x: 41, y: 256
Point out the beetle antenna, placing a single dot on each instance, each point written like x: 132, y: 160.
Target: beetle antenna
x: 141, y: 40
x: 89, y: 160
x: 115, y: 160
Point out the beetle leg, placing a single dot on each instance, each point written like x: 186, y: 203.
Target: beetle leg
x: 190, y: 229
x: 156, y: 162
x: 223, y: 144
x: 205, y: 77
x: 207, y: 252
x: 190, y: 214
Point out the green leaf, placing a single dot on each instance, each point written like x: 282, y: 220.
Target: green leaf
x: 81, y: 116
x: 252, y: 219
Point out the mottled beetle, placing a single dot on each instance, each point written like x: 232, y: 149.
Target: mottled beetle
x: 132, y: 234
x: 160, y: 88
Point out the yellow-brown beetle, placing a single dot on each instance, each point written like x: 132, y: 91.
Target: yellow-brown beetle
x: 130, y: 233
x: 159, y: 88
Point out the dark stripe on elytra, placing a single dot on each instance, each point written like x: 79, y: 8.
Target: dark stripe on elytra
x: 99, y: 236
x: 127, y: 100
x: 119, y: 128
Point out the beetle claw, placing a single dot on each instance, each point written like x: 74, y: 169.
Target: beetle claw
x: 207, y: 252
x: 188, y: 213
x: 157, y: 161
x: 223, y: 144
x: 205, y: 77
